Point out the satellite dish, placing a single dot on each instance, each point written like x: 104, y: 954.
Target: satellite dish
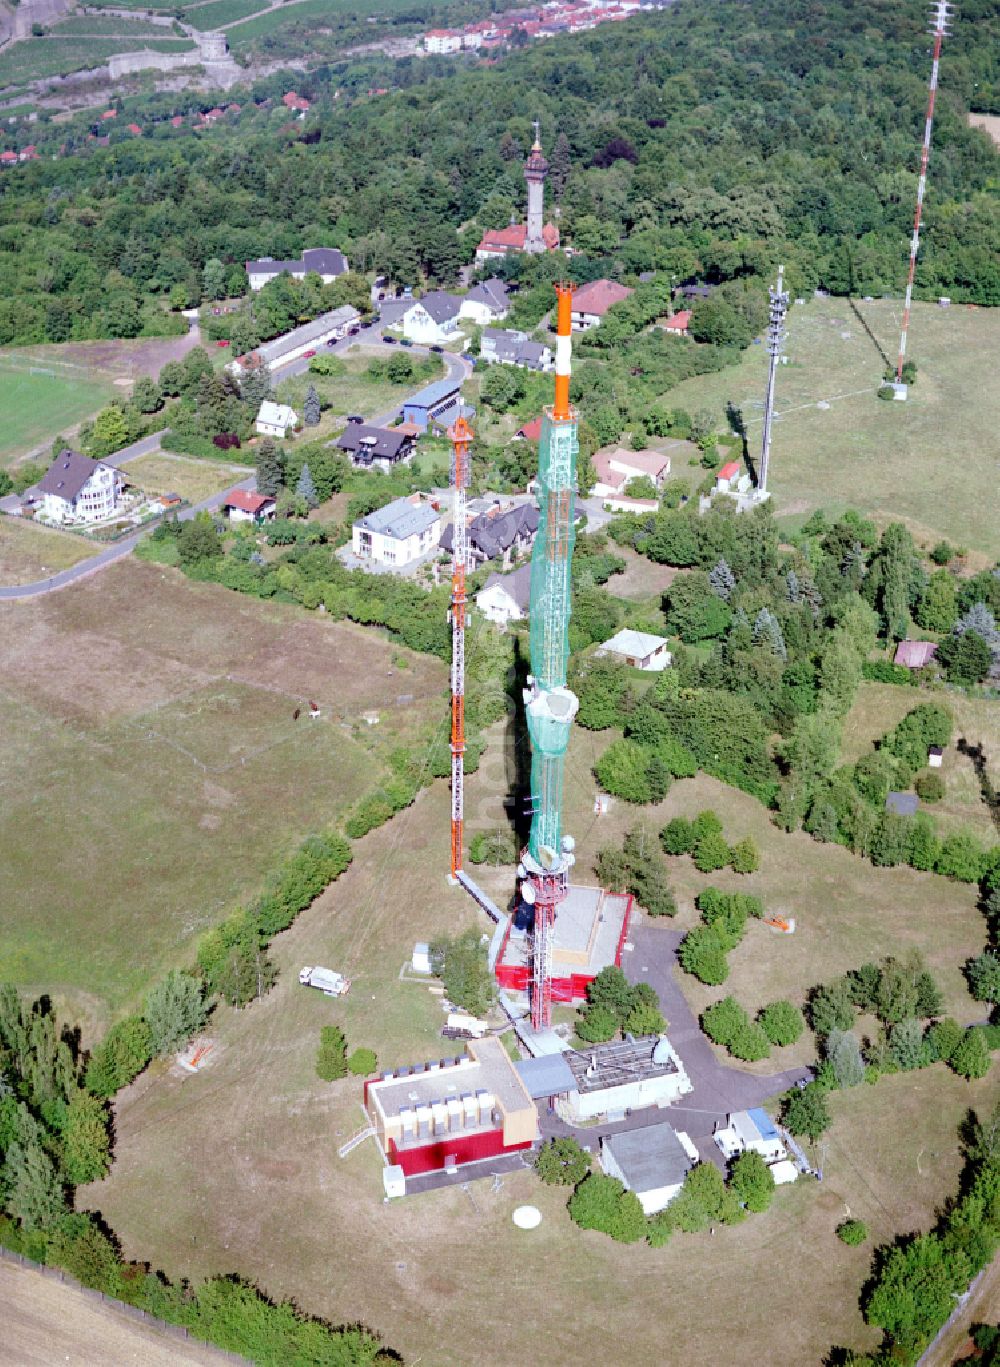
x: 522, y: 872
x: 527, y: 1217
x: 568, y: 844
x: 528, y: 894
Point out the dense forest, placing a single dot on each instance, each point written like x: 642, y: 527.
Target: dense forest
x: 704, y: 141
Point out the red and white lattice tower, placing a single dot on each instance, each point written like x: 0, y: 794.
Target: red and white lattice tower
x: 942, y: 11
x: 461, y: 437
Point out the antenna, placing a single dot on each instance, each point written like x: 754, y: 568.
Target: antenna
x: 461, y: 436
x: 941, y: 12
x: 775, y: 340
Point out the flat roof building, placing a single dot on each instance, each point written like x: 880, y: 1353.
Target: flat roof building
x: 589, y: 934
x: 652, y: 1162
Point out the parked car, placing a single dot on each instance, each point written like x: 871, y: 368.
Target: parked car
x: 222, y: 342
x: 307, y: 355
x: 405, y: 341
x: 437, y: 349
x: 355, y: 417
x: 386, y: 338
x: 353, y: 332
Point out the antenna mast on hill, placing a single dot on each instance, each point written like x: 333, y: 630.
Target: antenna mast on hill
x: 461, y: 437
x: 775, y: 339
x: 942, y: 11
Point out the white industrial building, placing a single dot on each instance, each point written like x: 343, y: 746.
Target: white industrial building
x: 640, y: 649
x: 397, y: 534
x: 754, y: 1131
x: 328, y: 327
x: 605, y: 1081
x: 652, y: 1162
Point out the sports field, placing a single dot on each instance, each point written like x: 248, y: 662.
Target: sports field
x: 201, y: 1183
x: 153, y: 771
x: 42, y: 398
x: 926, y: 461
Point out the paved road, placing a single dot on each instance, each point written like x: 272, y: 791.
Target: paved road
x: 112, y: 553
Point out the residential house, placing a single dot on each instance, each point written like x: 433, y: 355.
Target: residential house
x: 531, y: 431
x: 508, y: 347
x: 397, y: 534
x: 488, y: 302
x: 432, y: 320
x: 326, y: 262
x: 498, y: 533
x: 915, y: 654
x: 732, y: 479
x: 754, y: 1131
x: 678, y: 324
x: 652, y: 1162
x: 437, y: 402
x: 639, y: 649
x: 442, y: 40
x: 505, y: 598
x: 614, y: 469
x: 328, y: 327
x: 498, y: 242
x: 274, y: 419
x: 694, y: 292
x: 383, y: 446
x: 78, y: 489
x: 241, y: 506
x: 591, y: 302
x: 296, y: 103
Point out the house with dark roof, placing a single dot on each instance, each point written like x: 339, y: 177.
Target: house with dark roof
x: 326, y: 262
x: 506, y: 597
x: 591, y: 302
x: 381, y: 446
x: 488, y: 302
x: 433, y: 319
x: 508, y: 347
x: 397, y: 534
x: 498, y: 534
x: 78, y: 489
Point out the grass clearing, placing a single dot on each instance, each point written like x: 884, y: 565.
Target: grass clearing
x: 352, y: 392
x: 28, y: 553
x: 35, y: 58
x: 193, y: 479
x: 94, y: 25
x: 897, y: 461
x: 219, y: 13
x: 200, y: 1183
x: 153, y: 772
x: 312, y: 12
x: 42, y: 399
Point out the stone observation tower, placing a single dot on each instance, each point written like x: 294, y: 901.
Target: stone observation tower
x: 536, y: 168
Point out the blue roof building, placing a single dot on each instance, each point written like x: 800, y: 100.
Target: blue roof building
x: 438, y: 401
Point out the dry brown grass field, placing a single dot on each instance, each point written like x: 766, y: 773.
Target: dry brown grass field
x: 153, y: 772
x: 237, y: 1167
x: 162, y: 472
x: 28, y: 553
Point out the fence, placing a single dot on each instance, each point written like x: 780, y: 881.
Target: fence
x: 177, y: 1331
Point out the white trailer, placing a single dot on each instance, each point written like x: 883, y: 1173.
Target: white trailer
x: 466, y: 1025
x: 331, y: 984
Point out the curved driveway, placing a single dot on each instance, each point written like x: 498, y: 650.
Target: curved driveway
x: 371, y: 336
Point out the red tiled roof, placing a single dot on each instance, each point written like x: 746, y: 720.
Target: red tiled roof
x: 679, y: 322
x: 915, y: 654
x: 247, y: 503
x: 730, y: 469
x: 133, y: 128
x: 598, y: 296
x: 176, y: 121
x: 8, y: 156
x: 532, y: 430
x: 110, y: 114
x: 512, y: 238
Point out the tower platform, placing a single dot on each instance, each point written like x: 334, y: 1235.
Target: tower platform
x: 591, y: 927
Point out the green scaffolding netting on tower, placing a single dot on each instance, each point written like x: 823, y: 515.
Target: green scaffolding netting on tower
x: 550, y: 715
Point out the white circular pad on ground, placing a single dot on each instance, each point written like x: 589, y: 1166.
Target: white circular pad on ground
x: 527, y: 1217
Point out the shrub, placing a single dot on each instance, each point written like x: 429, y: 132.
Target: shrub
x: 852, y: 1232
x: 363, y: 1062
x: 750, y: 1043
x: 711, y: 853
x: 562, y: 1162
x: 493, y: 847
x: 702, y: 954
x: 723, y: 1020
x: 677, y: 836
x: 331, y: 1057
x: 744, y: 857
x: 930, y: 787
x: 781, y: 1022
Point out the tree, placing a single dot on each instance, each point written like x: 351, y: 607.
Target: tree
x: 175, y: 1010
x: 938, y: 607
x: 270, y: 470
x: 677, y: 836
x: 644, y: 1019
x: 462, y: 966
x: 967, y: 658
x: 34, y: 1194
x: 782, y: 1022
x: 911, y: 1295
x: 750, y: 1043
x: 722, y: 581
x: 597, y: 1024
x: 363, y: 1062
x: 110, y: 432
x: 743, y: 857
x: 213, y: 279
x: 198, y: 540
x: 723, y: 1020
x: 930, y: 787
x: 971, y: 1058
x: 86, y: 1144
x: 906, y: 1045
x: 121, y: 1056
x: 331, y: 1057
x: 311, y: 407
x: 255, y: 382
x: 704, y: 1200
x: 602, y: 1203
x: 752, y: 1181
x: 804, y: 1111
x: 146, y: 395
x: 562, y: 1162
x: 306, y: 489
x: 710, y: 853
x: 767, y: 632
x: 701, y: 953
x: 983, y: 974
x: 852, y: 1232
x: 943, y: 1038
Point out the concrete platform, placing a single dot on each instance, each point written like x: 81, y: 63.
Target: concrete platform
x: 590, y: 929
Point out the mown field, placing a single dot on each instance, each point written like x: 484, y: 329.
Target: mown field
x: 352, y: 391
x: 33, y: 58
x: 924, y: 461
x: 163, y: 472
x: 28, y: 552
x: 153, y: 772
x: 43, y: 398
x: 200, y: 1182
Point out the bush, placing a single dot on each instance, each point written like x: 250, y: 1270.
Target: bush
x: 331, y: 1057
x: 495, y: 847
x: 930, y: 787
x: 677, y: 836
x: 702, y: 954
x: 562, y: 1162
x: 723, y: 1020
x: 750, y: 1043
x: 711, y: 853
x: 781, y: 1022
x: 744, y: 857
x: 852, y: 1232
x: 363, y: 1062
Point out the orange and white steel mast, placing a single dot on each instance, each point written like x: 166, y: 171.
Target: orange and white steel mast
x: 460, y: 434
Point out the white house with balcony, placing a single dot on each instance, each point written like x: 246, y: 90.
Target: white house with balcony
x: 78, y: 489
x: 397, y: 534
